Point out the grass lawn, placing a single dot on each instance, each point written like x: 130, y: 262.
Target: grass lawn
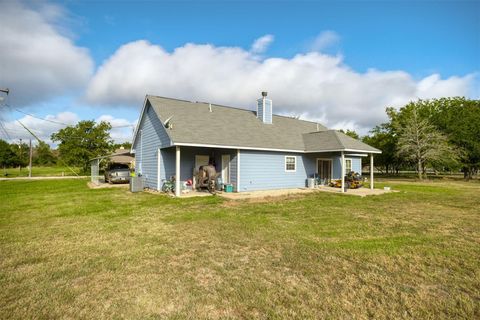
x: 70, y: 252
x: 39, y: 171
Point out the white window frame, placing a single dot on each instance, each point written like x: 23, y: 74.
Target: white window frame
x: 351, y: 165
x: 295, y: 164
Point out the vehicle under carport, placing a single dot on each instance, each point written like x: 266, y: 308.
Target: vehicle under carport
x: 121, y: 158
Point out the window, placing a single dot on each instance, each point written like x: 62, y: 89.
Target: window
x: 348, y: 165
x: 290, y: 164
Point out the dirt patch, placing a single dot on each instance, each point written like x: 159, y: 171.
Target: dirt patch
x: 232, y: 203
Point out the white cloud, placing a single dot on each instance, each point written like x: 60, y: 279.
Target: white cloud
x: 313, y: 85
x: 325, y: 40
x: 122, y: 129
x: 261, y: 44
x: 433, y: 85
x: 38, y: 61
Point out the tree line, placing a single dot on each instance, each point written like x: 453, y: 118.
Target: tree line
x: 436, y: 134
x: 18, y: 155
x: 77, y: 145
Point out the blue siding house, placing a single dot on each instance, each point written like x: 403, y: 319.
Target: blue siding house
x: 253, y: 150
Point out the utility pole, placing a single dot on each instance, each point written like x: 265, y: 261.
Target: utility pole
x: 20, y: 156
x: 30, y: 165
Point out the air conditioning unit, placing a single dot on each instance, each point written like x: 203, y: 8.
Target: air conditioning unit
x: 136, y: 184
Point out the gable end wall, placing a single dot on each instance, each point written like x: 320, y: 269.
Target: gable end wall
x: 151, y: 136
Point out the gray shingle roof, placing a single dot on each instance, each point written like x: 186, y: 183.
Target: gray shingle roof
x: 193, y: 123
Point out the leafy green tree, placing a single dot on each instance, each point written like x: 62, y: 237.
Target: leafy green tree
x: 22, y: 154
x: 82, y: 142
x: 420, y: 141
x: 351, y: 133
x: 7, y: 156
x: 459, y: 119
x: 43, y: 154
x: 383, y: 137
x: 125, y: 145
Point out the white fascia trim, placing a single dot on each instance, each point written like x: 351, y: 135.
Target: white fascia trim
x: 233, y: 147
x: 346, y: 150
x: 142, y: 113
x: 264, y: 149
x: 356, y: 155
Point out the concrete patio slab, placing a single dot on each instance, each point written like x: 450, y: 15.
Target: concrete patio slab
x: 361, y: 192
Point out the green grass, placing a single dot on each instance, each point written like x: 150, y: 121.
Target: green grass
x: 70, y: 252
x: 39, y: 172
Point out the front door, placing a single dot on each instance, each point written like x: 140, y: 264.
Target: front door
x: 201, y: 160
x: 324, y: 170
x: 226, y: 168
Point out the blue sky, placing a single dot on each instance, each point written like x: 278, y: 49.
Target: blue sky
x: 337, y: 62
x: 418, y: 37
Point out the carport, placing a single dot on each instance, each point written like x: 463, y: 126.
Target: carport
x: 121, y: 155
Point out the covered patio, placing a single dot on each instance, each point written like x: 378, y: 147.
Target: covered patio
x: 336, y: 154
x: 183, y: 163
x: 334, y: 166
x: 327, y: 166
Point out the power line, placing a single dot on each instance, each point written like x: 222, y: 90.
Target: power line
x: 37, y: 132
x: 31, y: 115
x: 57, y: 122
x: 5, y: 131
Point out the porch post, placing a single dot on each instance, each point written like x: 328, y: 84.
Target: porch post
x: 343, y: 171
x: 177, y: 171
x: 238, y: 170
x: 371, y: 171
x: 159, y: 187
